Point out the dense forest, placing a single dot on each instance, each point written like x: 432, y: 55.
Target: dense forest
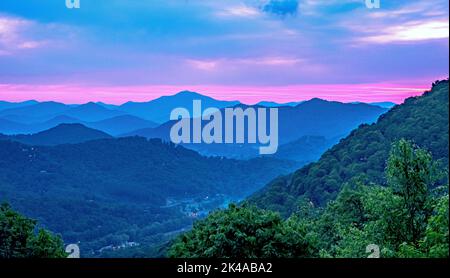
x: 405, y: 219
x: 383, y: 189
x: 112, y: 193
x: 364, y: 153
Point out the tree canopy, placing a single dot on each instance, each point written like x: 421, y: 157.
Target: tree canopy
x: 20, y: 238
x: 406, y: 218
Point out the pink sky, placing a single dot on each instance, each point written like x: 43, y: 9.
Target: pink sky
x: 246, y: 94
x: 229, y: 50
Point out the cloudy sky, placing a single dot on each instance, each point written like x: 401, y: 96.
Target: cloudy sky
x: 249, y: 50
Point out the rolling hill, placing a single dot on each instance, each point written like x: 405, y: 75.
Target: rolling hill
x: 92, y: 112
x: 45, y: 111
x: 37, y: 112
x: 114, y: 126
x: 11, y: 127
x: 10, y: 105
x: 62, y: 119
x: 121, y: 124
x: 111, y: 191
x: 61, y: 134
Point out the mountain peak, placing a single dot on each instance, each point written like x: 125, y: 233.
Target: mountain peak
x: 317, y: 100
x: 61, y: 134
x: 92, y: 112
x: 54, y: 103
x: 90, y: 105
x: 187, y: 93
x: 69, y: 125
x: 67, y: 133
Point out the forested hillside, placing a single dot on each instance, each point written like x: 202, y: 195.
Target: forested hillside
x: 112, y: 191
x: 363, y: 154
x: 408, y: 218
x: 373, y: 194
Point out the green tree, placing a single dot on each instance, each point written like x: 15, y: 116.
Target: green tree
x: 245, y: 232
x: 19, y: 240
x: 411, y: 171
x: 405, y: 219
x: 436, y: 235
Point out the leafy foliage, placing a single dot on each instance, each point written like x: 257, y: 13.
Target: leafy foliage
x: 410, y: 173
x: 396, y: 217
x: 405, y: 219
x: 243, y: 232
x: 19, y: 240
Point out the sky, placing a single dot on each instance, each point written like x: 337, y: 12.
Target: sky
x: 249, y: 50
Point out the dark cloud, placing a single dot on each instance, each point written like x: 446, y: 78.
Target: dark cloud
x: 281, y: 7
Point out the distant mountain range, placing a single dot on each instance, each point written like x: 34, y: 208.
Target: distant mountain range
x: 9, y: 105
x: 33, y: 116
x: 385, y: 104
x: 275, y: 104
x: 45, y: 115
x: 316, y: 117
x: 45, y: 111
